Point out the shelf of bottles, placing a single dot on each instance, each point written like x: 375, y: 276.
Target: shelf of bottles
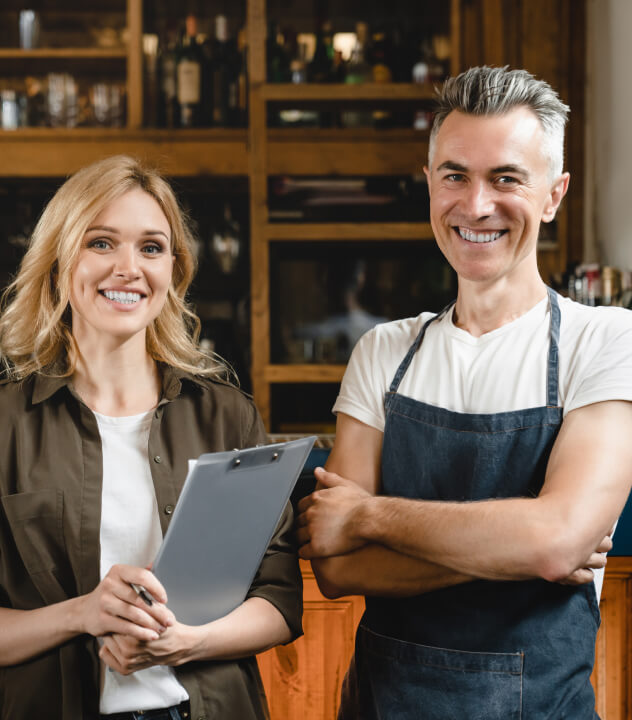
x: 365, y: 66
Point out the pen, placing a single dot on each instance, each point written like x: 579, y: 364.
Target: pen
x: 140, y: 590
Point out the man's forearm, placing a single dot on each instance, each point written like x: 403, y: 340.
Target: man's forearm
x: 376, y: 570
x: 513, y: 539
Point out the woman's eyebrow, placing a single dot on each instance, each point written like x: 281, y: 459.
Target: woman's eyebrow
x: 103, y: 228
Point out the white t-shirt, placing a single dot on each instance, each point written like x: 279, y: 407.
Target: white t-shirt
x: 130, y: 534
x: 499, y: 371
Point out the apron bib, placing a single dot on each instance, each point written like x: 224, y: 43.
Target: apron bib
x: 483, y: 650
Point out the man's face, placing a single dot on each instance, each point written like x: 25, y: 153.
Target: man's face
x: 490, y: 187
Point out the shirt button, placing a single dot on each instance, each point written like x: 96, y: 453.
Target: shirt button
x: 157, y: 459
x: 168, y: 509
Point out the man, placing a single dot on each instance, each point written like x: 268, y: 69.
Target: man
x: 483, y: 455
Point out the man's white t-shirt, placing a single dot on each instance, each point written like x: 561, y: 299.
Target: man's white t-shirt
x: 499, y: 371
x: 130, y: 534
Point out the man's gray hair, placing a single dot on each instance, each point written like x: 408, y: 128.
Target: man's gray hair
x: 497, y: 90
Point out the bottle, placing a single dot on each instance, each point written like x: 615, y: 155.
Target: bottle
x: 226, y: 244
x: 189, y: 76
x: 321, y: 67
x: 168, y: 111
x: 222, y: 67
x: 277, y: 59
x: 420, y: 73
x: 358, y: 72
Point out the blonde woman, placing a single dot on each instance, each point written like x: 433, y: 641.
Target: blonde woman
x: 102, y: 405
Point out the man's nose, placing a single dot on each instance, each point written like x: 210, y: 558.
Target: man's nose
x: 479, y: 200
x: 126, y: 262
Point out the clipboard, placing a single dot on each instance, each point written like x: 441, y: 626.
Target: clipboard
x: 226, y: 515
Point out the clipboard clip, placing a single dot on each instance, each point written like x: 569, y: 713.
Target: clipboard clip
x: 275, y: 456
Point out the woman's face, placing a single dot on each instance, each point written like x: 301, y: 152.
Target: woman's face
x: 120, y: 280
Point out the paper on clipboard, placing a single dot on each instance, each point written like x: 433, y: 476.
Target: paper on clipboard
x: 224, y: 520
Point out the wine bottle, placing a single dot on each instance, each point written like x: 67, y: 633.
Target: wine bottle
x: 221, y: 72
x: 189, y: 76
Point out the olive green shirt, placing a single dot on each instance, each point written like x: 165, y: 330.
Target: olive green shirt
x: 51, y: 473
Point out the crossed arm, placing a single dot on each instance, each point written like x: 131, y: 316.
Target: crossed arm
x: 360, y: 542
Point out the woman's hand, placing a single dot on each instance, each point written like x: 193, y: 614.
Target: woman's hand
x: 175, y: 646
x: 114, y: 606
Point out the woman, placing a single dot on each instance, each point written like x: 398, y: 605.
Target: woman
x: 102, y: 406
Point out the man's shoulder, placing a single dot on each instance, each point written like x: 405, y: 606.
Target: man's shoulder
x: 583, y: 322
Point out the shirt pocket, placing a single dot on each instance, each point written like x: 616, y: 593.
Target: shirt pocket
x: 36, y: 522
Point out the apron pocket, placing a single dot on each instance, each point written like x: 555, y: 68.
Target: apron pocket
x: 417, y: 682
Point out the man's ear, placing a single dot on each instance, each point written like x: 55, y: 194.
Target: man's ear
x: 560, y: 186
x: 427, y: 174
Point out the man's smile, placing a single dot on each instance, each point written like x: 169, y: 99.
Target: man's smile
x: 479, y: 236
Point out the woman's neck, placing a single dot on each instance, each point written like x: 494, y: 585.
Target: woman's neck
x: 123, y: 381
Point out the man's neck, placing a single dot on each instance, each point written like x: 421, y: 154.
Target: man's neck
x: 483, y: 307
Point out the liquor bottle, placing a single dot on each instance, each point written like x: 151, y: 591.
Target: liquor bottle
x: 227, y: 242
x: 277, y: 59
x: 321, y: 67
x: 223, y: 68
x: 189, y: 76
x: 358, y: 72
x: 168, y: 112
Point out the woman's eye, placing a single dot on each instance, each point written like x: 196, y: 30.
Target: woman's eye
x: 152, y: 249
x: 99, y: 244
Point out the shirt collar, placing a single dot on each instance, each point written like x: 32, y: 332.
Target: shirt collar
x: 45, y: 386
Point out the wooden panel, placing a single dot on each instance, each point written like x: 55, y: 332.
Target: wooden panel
x: 40, y: 152
x: 303, y: 680
x: 258, y: 172
x: 348, y: 231
x: 134, y: 63
x: 304, y: 373
x: 353, y: 156
x: 613, y: 653
x: 365, y: 91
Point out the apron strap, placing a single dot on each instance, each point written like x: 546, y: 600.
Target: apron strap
x: 401, y: 370
x: 552, y: 372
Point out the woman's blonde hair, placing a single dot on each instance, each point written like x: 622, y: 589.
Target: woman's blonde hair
x: 36, y: 325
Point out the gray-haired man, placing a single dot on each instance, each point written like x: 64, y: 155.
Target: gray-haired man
x: 482, y: 455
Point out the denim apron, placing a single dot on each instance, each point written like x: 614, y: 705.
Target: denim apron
x: 482, y: 650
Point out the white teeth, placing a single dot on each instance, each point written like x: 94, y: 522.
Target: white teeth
x: 127, y: 298
x: 475, y: 237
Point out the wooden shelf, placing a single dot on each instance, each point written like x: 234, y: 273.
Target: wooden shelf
x: 311, y: 373
x: 364, y: 151
x: 118, y: 53
x: 317, y: 232
x: 48, y: 152
x: 314, y: 92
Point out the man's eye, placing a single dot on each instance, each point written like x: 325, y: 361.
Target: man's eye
x: 507, y: 180
x: 454, y: 177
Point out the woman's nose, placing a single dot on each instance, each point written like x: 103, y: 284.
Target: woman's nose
x: 126, y: 262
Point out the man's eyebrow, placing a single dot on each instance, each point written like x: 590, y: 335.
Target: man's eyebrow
x: 515, y: 169
x: 450, y: 165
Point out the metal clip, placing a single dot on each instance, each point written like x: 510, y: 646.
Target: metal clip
x: 237, y: 462
x: 275, y: 456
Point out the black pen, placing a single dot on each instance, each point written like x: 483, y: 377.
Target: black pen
x: 140, y: 590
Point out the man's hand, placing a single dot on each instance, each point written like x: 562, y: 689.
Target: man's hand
x: 326, y: 521
x: 596, y: 561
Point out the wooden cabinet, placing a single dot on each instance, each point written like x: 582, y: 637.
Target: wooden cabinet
x: 303, y: 680
x: 545, y: 37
